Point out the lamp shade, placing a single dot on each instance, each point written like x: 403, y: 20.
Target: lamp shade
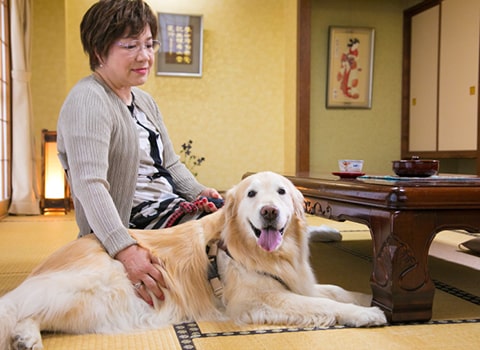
x: 55, y: 196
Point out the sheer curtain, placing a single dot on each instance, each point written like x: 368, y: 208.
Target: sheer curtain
x: 25, y: 198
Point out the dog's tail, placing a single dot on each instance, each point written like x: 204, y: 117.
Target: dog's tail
x: 8, y: 320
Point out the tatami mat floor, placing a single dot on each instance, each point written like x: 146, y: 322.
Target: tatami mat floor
x: 25, y: 241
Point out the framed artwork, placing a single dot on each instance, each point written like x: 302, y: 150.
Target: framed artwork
x: 350, y: 67
x: 181, y: 45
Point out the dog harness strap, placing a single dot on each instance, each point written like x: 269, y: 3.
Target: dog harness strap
x: 276, y: 278
x: 221, y: 245
x: 217, y: 287
x: 213, y: 276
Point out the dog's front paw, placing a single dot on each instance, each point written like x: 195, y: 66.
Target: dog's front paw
x: 22, y: 342
x: 367, y: 317
x: 26, y: 336
x: 324, y: 233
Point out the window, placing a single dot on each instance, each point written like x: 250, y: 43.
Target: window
x: 5, y: 110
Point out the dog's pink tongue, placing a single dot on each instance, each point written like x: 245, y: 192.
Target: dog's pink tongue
x: 270, y: 239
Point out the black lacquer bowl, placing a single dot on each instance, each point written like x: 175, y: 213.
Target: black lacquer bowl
x: 416, y: 167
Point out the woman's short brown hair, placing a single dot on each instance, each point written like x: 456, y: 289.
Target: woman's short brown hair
x: 109, y: 20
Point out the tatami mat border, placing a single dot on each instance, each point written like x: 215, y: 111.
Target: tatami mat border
x: 188, y: 332
x: 353, y: 252
x: 474, y: 299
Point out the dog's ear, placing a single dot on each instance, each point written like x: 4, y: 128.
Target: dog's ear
x: 229, y: 206
x: 298, y: 200
x: 233, y: 197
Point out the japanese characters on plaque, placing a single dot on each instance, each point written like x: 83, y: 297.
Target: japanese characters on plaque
x: 179, y: 44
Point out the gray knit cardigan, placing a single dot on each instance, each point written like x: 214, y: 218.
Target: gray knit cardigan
x: 98, y: 144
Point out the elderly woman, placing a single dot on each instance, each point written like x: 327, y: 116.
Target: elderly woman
x: 114, y: 146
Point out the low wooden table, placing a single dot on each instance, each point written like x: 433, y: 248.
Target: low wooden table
x: 404, y: 217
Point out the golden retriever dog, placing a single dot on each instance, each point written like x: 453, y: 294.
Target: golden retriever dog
x: 257, y: 271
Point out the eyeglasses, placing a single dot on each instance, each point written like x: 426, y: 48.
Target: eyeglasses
x: 133, y: 47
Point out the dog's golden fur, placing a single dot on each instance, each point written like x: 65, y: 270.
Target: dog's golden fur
x: 264, y: 269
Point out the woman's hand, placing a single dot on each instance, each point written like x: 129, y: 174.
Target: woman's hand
x: 203, y: 201
x: 145, y: 277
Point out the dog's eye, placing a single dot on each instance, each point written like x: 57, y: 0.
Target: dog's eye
x: 252, y: 193
x: 281, y: 191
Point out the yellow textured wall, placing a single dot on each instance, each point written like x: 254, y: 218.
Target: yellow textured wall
x: 372, y: 134
x: 48, y: 68
x: 240, y: 114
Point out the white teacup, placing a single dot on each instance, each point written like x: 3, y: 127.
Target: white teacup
x: 350, y: 165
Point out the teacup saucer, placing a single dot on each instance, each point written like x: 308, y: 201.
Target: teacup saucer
x: 348, y: 175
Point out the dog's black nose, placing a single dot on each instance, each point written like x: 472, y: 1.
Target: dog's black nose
x: 269, y: 212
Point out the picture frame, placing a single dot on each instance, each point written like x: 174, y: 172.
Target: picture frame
x: 181, y: 45
x: 350, y: 67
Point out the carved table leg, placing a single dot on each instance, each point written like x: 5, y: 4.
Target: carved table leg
x: 400, y: 280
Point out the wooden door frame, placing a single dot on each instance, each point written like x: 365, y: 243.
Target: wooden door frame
x: 303, y: 87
